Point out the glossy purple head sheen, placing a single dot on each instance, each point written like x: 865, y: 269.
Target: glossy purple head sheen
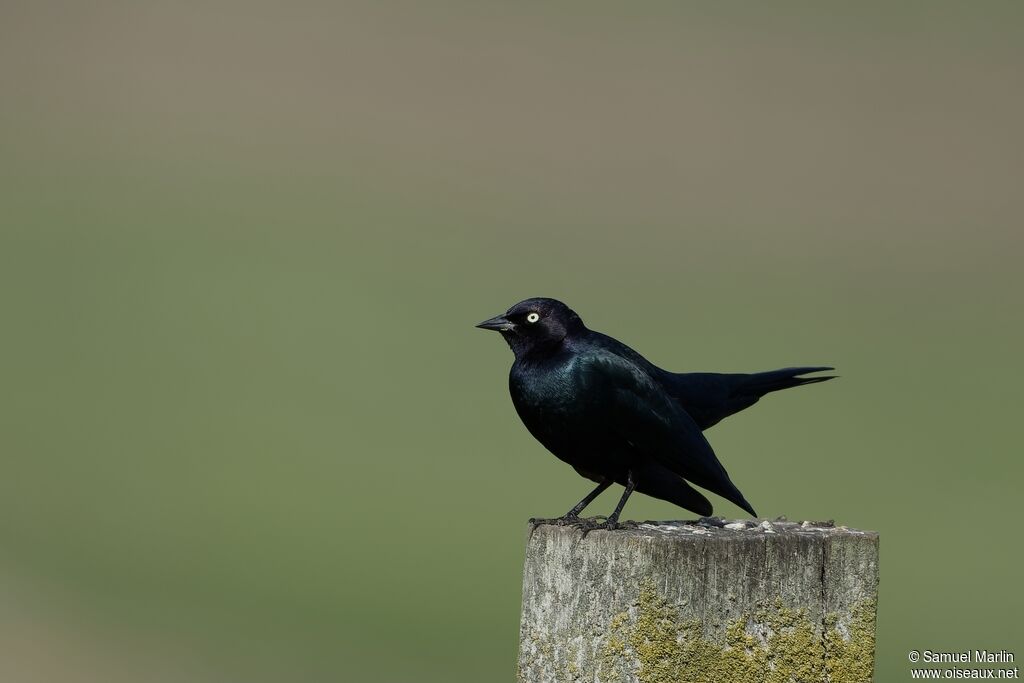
x: 535, y: 325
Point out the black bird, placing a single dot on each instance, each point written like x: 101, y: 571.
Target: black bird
x: 615, y: 417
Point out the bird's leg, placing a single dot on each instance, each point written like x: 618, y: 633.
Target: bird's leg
x: 613, y: 521
x: 574, y: 514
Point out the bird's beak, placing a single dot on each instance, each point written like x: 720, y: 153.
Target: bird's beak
x: 499, y: 324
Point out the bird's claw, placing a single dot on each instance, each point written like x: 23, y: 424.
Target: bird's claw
x: 614, y: 524
x: 564, y: 520
x: 586, y: 524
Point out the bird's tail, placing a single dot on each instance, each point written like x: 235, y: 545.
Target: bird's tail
x: 760, y: 383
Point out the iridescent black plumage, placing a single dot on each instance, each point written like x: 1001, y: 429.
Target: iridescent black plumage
x: 615, y: 417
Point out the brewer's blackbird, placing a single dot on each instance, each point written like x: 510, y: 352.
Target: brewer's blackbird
x: 601, y: 407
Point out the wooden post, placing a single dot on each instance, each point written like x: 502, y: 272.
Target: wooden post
x: 699, y: 602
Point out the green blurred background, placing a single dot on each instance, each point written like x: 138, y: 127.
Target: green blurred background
x: 249, y: 432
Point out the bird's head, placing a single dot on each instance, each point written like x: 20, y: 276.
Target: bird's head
x: 535, y: 325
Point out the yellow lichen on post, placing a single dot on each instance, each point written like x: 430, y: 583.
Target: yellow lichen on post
x: 849, y: 658
x: 776, y: 644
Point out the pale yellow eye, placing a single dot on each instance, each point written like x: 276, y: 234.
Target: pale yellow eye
x: 533, y: 317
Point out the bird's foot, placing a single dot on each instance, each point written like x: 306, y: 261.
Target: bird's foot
x: 611, y: 524
x: 586, y: 524
x: 564, y: 520
x: 567, y: 520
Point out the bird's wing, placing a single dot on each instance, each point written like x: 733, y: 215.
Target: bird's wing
x: 658, y: 481
x: 639, y: 411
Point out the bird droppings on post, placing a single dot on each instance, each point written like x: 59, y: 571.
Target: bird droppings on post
x: 705, y: 600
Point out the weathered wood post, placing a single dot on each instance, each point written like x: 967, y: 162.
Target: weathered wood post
x: 699, y: 602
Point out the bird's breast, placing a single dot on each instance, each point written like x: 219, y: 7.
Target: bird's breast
x: 546, y: 385
x: 552, y: 404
